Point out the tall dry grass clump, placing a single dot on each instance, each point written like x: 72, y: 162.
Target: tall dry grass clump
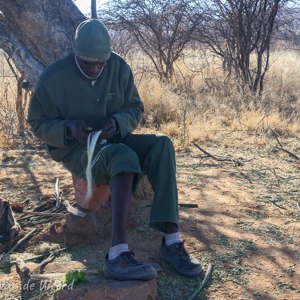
x: 160, y: 102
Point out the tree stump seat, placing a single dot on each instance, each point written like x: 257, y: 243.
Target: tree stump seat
x: 100, y: 196
x: 97, y: 209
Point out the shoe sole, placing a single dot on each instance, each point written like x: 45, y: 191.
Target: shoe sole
x: 156, y: 266
x: 125, y: 278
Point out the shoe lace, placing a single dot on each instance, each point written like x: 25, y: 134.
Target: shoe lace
x: 130, y: 255
x: 181, y: 249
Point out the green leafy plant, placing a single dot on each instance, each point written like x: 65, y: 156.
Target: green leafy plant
x: 75, y: 276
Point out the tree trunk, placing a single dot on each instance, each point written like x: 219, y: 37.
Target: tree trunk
x: 37, y: 32
x: 94, y: 9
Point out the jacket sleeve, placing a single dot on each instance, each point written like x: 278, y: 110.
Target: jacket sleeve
x: 129, y: 115
x: 45, y: 121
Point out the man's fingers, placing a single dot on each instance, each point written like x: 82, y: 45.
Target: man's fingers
x: 108, y: 127
x: 82, y: 136
x: 107, y: 134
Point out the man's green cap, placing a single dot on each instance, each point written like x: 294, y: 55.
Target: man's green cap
x: 92, y: 41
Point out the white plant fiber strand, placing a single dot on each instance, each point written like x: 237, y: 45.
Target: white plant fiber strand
x: 91, y: 144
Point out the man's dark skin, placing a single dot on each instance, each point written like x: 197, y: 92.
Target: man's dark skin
x: 120, y: 196
x: 121, y: 189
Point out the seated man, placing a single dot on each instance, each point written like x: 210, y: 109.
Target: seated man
x: 93, y: 89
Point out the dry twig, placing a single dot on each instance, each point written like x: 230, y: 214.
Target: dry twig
x: 222, y: 159
x: 43, y: 214
x: 4, y: 256
x: 37, y: 256
x: 277, y: 206
x: 280, y: 147
x: 46, y: 261
x: 203, y: 283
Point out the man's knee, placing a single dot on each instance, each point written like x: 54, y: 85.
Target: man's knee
x: 122, y: 152
x: 165, y: 142
x: 122, y: 159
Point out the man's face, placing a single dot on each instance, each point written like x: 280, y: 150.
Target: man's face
x: 91, y: 69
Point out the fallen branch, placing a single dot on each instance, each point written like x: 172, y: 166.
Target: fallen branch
x: 274, y: 134
x: 46, y: 261
x: 37, y: 256
x: 245, y: 176
x: 203, y: 283
x: 44, y: 214
x: 288, y: 152
x: 280, y: 147
x: 4, y: 256
x: 39, y: 217
x: 277, y: 206
x: 222, y: 159
x: 44, y: 206
x: 22, y: 240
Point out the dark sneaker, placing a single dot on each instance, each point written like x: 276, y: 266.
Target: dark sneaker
x: 126, y: 267
x: 177, y: 256
x: 154, y: 265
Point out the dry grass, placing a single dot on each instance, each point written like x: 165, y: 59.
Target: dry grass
x: 161, y: 103
x: 201, y: 100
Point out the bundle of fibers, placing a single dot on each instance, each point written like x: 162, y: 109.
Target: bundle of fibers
x: 91, y: 144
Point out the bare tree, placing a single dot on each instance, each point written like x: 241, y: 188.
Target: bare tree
x: 288, y: 27
x: 240, y: 32
x: 123, y: 43
x: 162, y: 28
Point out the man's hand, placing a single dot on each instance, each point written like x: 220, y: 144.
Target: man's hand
x: 78, y: 130
x: 109, y: 128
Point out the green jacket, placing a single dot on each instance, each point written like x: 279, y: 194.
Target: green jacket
x: 63, y: 93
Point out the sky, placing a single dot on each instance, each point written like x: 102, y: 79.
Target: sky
x: 85, y: 5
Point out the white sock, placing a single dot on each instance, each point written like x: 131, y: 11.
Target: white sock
x: 172, y: 238
x: 117, y: 250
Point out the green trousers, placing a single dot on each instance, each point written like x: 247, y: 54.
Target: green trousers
x: 142, y: 154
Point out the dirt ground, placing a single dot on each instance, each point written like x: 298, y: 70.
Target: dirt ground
x: 246, y: 223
